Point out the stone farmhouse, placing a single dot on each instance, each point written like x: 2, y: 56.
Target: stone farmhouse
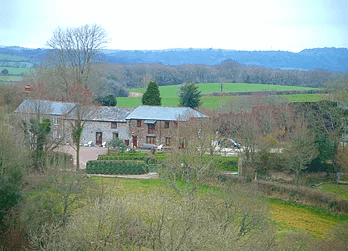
x: 143, y: 126
x: 157, y: 125
x: 103, y: 124
x: 42, y: 109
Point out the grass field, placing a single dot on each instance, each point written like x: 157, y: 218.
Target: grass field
x: 212, y: 101
x: 169, y: 94
x: 290, y: 216
x: 207, y: 101
x: 339, y: 190
x: 12, y: 70
x: 12, y: 57
x: 287, y: 216
x: 172, y: 90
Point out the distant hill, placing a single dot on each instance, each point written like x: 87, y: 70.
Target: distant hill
x: 330, y: 59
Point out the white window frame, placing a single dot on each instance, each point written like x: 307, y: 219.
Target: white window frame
x: 55, y: 120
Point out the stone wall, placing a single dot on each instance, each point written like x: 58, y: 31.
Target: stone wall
x: 160, y: 132
x: 92, y: 127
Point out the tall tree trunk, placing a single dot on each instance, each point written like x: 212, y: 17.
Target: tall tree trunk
x: 77, y: 156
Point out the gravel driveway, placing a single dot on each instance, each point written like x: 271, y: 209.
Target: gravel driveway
x: 86, y: 153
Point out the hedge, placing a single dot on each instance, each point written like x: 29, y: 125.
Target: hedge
x: 112, y: 167
x: 132, y: 156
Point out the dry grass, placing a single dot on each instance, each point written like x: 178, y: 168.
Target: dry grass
x: 303, y: 219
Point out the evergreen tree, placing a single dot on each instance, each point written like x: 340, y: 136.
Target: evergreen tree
x: 189, y: 95
x: 151, y: 95
x: 109, y: 100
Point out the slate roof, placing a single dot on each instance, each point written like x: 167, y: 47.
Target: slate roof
x: 106, y: 113
x: 45, y: 107
x: 164, y: 113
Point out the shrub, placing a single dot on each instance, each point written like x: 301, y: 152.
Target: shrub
x: 112, y: 167
x: 117, y: 144
x: 224, y: 163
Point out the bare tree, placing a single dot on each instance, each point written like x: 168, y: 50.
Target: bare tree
x: 73, y: 51
x: 83, y: 111
x: 301, y: 148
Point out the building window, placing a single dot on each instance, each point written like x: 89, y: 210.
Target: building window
x: 114, y: 135
x: 167, y: 141
x: 151, y: 128
x: 55, y: 120
x: 166, y: 124
x: 113, y: 125
x: 138, y: 123
x: 150, y: 139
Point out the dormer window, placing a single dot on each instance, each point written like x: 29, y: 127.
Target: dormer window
x: 113, y: 125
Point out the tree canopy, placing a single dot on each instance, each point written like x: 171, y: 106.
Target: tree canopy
x: 189, y: 95
x: 109, y: 100
x: 73, y: 50
x: 151, y: 95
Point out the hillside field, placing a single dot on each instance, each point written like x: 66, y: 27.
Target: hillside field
x: 12, y: 57
x: 170, y: 97
x: 288, y: 216
x: 13, y: 70
x: 205, y: 88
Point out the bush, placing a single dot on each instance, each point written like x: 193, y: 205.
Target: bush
x: 117, y: 144
x: 224, y: 163
x: 112, y: 167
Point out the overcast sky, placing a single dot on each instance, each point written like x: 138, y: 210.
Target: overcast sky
x: 164, y: 24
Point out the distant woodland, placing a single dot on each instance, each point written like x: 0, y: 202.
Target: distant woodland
x: 131, y: 76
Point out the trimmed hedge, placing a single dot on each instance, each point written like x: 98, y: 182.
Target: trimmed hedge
x: 115, y: 167
x: 133, y: 156
x: 124, y: 156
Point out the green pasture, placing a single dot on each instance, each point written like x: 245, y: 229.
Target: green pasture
x: 288, y: 216
x: 340, y: 191
x: 12, y: 70
x: 12, y: 57
x: 213, y: 101
x: 205, y: 88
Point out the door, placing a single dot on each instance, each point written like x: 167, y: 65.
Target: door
x: 98, y: 138
x: 135, y: 141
